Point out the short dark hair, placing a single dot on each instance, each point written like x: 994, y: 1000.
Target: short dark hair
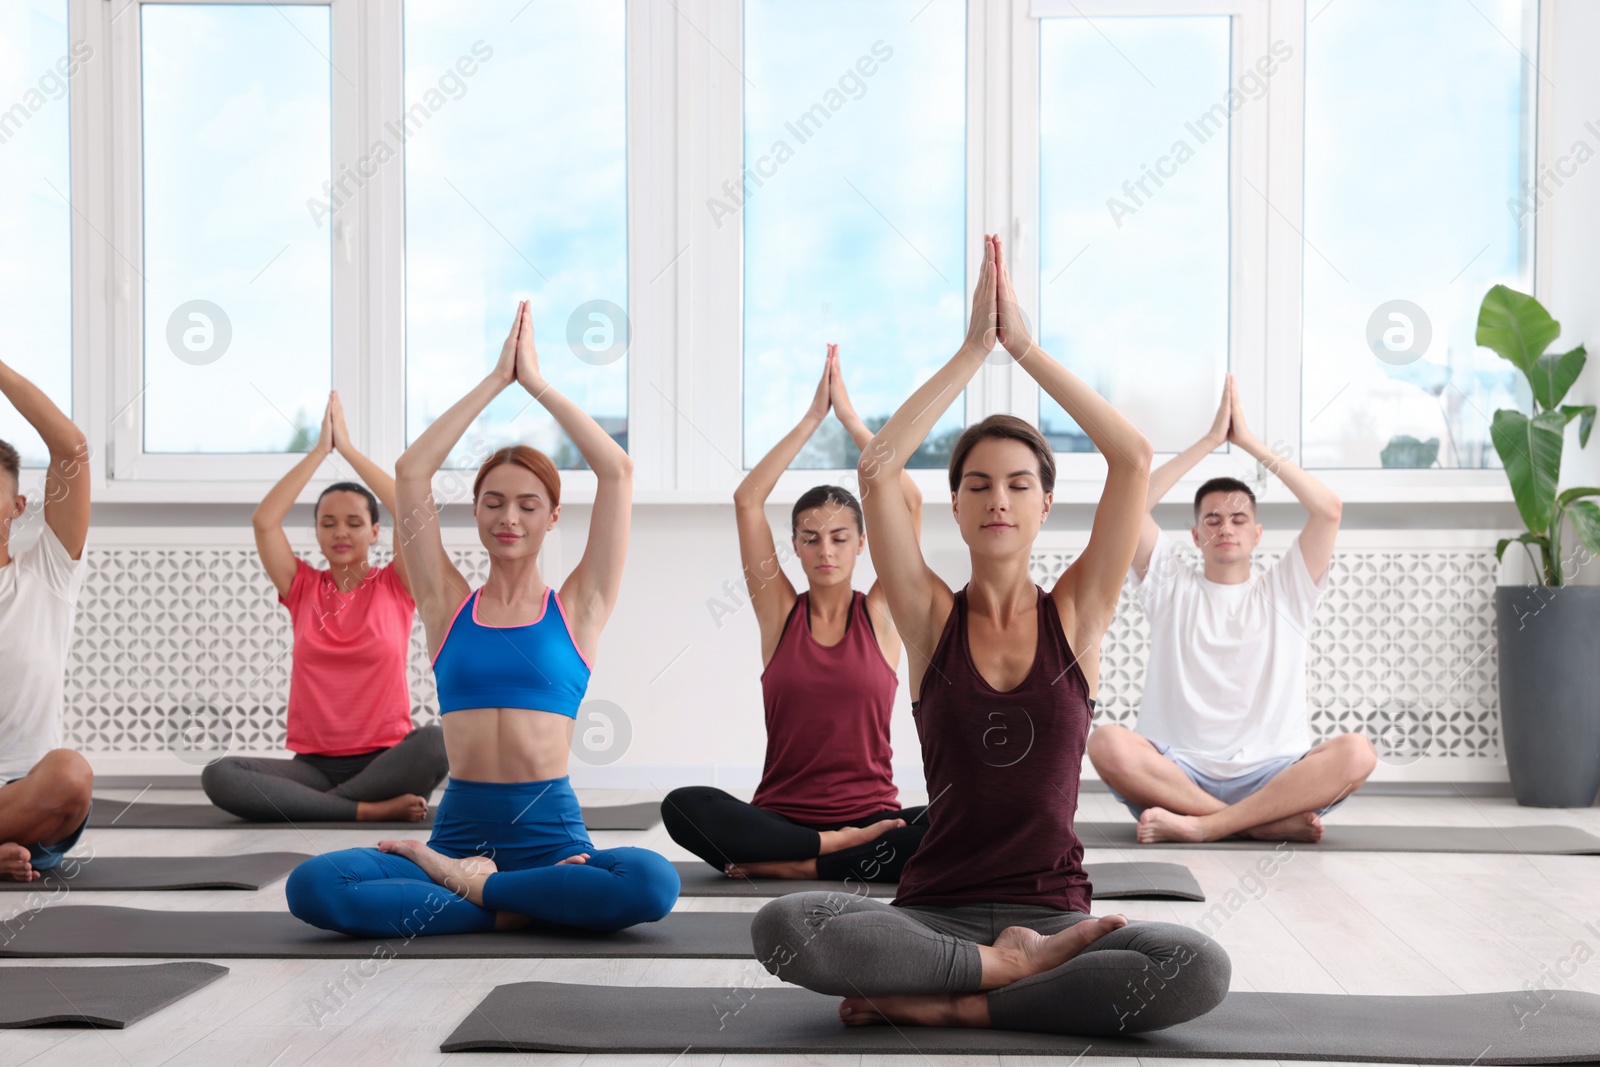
x: 351, y: 487
x: 1007, y: 427
x: 817, y: 496
x: 11, y: 463
x: 1222, y: 485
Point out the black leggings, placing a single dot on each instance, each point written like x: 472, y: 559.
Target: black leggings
x: 312, y: 788
x: 722, y: 829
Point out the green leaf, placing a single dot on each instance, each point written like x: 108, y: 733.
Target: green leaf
x: 1585, y: 516
x: 1522, y: 538
x: 1516, y: 326
x: 1576, y: 493
x: 1553, y: 375
x: 1584, y: 413
x: 1530, y: 450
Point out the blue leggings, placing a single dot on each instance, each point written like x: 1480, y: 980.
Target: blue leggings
x: 526, y: 828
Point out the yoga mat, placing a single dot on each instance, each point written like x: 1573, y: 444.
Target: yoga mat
x: 1478, y: 1028
x: 250, y: 871
x: 101, y: 931
x: 109, y: 997
x: 1340, y: 837
x: 1112, y: 881
x: 148, y: 815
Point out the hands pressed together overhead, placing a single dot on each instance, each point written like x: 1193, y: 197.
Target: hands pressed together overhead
x: 1229, y: 426
x: 996, y: 314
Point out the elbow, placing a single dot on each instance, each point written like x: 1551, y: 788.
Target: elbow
x: 1332, y: 509
x: 260, y: 520
x: 71, y: 449
x: 406, y: 467
x: 1138, y: 454
x: 878, y: 463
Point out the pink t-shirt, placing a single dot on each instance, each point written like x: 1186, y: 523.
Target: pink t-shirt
x: 348, y: 692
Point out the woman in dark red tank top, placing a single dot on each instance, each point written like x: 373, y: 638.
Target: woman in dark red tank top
x: 991, y: 926
x: 827, y: 806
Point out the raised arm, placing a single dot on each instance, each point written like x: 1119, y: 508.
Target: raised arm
x: 590, y: 591
x: 66, y: 482
x: 272, y: 544
x: 1089, y: 588
x: 846, y: 413
x: 436, y: 585
x: 919, y: 600
x: 372, y: 476
x: 1320, y: 530
x: 771, y: 592
x: 1170, y: 473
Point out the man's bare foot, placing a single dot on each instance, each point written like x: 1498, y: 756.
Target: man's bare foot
x: 932, y: 1009
x: 464, y: 877
x: 408, y: 807
x: 772, y: 869
x: 1159, y: 824
x: 851, y: 836
x: 1020, y: 953
x: 1306, y: 826
x: 16, y: 863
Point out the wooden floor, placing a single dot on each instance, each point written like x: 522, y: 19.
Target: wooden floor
x: 1385, y: 923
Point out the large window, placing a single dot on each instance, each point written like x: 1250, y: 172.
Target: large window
x: 1418, y: 198
x: 515, y: 146
x: 237, y: 265
x: 853, y: 203
x: 1134, y: 127
x: 36, y: 60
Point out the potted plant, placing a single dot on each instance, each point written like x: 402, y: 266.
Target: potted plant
x: 1547, y: 632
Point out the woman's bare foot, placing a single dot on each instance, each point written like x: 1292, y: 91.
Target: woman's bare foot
x: 932, y: 1009
x: 408, y: 807
x: 1159, y: 824
x: 464, y: 877
x: 851, y: 836
x: 1020, y: 953
x: 16, y: 863
x: 1306, y: 826
x: 773, y: 869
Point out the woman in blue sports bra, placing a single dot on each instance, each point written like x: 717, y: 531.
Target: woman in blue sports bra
x: 512, y: 664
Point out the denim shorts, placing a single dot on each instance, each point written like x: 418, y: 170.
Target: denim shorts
x: 48, y: 857
x: 1227, y: 790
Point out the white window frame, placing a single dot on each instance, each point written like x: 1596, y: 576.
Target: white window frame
x: 685, y: 135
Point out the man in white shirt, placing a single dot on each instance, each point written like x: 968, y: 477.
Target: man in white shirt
x: 44, y: 788
x: 1223, y: 745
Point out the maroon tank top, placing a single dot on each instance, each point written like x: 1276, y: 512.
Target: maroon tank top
x: 1002, y: 772
x: 828, y: 708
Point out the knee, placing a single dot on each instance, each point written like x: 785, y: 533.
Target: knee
x: 677, y: 809
x: 434, y: 754
x: 215, y: 775
x: 775, y: 932
x: 1357, y: 756
x: 1187, y: 975
x: 67, y: 782
x: 1106, y: 748
x: 313, y: 894
x: 652, y: 887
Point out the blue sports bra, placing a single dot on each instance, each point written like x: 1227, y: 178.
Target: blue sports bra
x: 537, y: 666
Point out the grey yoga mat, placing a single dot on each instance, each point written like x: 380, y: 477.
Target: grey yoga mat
x: 148, y: 815
x: 100, y: 931
x: 1342, y: 837
x: 1477, y: 1028
x: 109, y: 997
x: 1112, y: 881
x: 249, y: 871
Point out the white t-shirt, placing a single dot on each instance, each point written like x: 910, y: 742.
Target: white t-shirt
x: 38, y: 598
x: 1225, y: 684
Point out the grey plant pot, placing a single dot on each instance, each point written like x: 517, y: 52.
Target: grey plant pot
x: 1549, y: 644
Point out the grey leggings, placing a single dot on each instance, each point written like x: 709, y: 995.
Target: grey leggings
x: 326, y: 788
x: 1145, y: 976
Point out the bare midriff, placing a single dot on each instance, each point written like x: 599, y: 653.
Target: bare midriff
x: 507, y: 744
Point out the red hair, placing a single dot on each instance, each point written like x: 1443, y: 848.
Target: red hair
x: 529, y: 459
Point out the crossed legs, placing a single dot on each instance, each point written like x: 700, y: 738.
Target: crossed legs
x: 45, y: 807
x: 1176, y: 809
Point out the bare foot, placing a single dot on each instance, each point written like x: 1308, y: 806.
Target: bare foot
x: 773, y: 869
x: 1159, y: 824
x: 408, y: 807
x: 932, y: 1009
x: 1020, y: 953
x: 1306, y: 826
x: 463, y: 877
x: 16, y: 863
x: 851, y: 836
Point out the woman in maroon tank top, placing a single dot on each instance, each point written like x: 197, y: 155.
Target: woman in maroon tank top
x: 992, y: 926
x: 827, y: 806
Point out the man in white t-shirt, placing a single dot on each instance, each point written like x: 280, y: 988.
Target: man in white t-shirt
x: 44, y: 788
x: 1223, y: 745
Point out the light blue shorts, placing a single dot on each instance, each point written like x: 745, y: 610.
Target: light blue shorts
x: 49, y: 857
x: 1227, y: 790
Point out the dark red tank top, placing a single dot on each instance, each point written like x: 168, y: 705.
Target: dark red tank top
x: 828, y: 708
x: 1002, y: 772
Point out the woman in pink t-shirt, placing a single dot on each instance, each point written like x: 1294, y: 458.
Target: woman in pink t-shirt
x: 357, y: 756
x: 827, y: 806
